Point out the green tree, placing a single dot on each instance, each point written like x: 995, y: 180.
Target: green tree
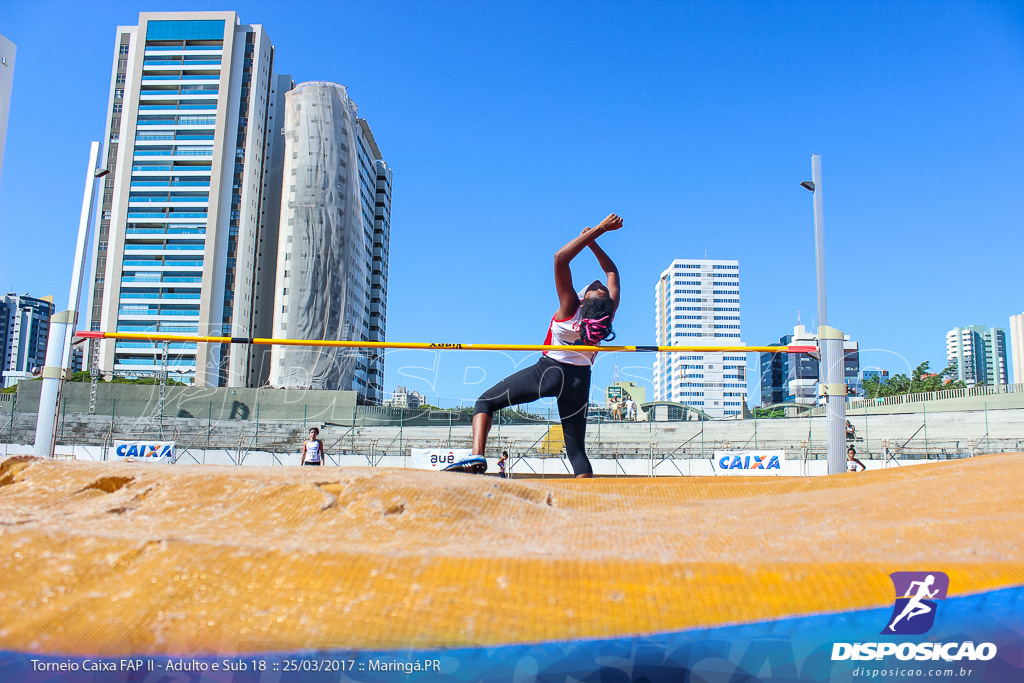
x: 769, y: 413
x: 919, y: 381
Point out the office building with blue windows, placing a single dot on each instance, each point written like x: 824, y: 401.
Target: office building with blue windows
x: 697, y: 302
x: 793, y: 378
x: 184, y: 232
x: 24, y: 331
x: 881, y: 375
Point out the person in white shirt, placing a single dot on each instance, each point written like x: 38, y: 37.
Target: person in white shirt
x: 313, y: 449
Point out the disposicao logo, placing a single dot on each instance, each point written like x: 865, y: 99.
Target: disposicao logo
x: 914, y: 614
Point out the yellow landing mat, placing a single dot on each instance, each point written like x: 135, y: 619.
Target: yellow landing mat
x: 118, y: 558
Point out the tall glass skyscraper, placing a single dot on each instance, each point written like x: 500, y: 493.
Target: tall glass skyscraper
x: 697, y: 301
x: 192, y: 136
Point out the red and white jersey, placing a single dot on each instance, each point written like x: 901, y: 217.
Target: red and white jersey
x: 567, y: 333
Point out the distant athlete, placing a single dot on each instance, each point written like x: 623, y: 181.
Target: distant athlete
x: 502, y: 464
x: 564, y: 375
x: 852, y: 461
x: 915, y: 606
x: 313, y: 449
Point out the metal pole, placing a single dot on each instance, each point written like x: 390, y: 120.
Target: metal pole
x: 819, y: 237
x: 924, y: 413
x: 163, y: 384
x: 867, y: 446
x: 62, y: 325
x: 988, y: 439
x: 256, y: 441
x: 94, y: 375
x: 834, y: 388
x: 830, y: 340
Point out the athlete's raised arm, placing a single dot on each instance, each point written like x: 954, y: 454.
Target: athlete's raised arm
x: 568, y: 300
x: 610, y: 271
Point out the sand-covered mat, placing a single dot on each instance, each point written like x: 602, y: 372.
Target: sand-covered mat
x: 118, y: 558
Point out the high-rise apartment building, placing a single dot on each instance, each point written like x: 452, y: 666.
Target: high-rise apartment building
x: 979, y: 354
x: 1017, y: 347
x: 8, y: 51
x: 698, y: 302
x: 183, y: 219
x: 333, y: 245
x: 793, y: 378
x: 24, y: 331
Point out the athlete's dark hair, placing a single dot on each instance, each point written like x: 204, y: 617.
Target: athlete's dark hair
x: 596, y: 326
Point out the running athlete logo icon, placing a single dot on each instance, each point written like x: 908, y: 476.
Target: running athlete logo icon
x: 916, y: 593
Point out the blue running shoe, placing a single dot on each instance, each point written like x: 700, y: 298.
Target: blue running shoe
x: 472, y: 465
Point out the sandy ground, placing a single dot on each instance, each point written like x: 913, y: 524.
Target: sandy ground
x: 119, y: 558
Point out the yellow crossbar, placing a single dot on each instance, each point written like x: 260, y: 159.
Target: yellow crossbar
x: 330, y: 343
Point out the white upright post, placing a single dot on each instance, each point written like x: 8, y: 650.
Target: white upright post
x: 831, y: 380
x: 62, y: 326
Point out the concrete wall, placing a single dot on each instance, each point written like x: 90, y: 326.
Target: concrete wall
x: 519, y: 466
x: 213, y: 403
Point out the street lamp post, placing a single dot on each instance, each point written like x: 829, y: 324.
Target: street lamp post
x: 831, y: 380
x: 62, y: 325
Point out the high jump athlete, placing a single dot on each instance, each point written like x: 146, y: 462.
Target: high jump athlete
x: 564, y: 375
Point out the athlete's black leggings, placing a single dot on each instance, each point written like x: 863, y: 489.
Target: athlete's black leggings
x: 549, y: 378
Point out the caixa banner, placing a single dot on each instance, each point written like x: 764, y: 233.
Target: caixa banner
x: 751, y: 463
x: 146, y: 451
x: 437, y: 458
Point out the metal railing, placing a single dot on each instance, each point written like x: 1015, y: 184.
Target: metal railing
x: 968, y: 392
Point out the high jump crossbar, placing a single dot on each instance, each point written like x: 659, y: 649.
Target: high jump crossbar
x: 133, y: 336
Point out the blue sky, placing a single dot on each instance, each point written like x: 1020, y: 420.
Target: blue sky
x: 510, y: 126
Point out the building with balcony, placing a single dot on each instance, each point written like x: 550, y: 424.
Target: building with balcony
x: 335, y: 228
x: 184, y: 232
x: 978, y: 353
x: 401, y: 397
x: 697, y: 302
x: 24, y: 331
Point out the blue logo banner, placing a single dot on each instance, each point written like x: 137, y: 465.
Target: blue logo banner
x: 975, y: 638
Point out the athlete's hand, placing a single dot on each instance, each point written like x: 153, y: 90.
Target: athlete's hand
x: 612, y: 222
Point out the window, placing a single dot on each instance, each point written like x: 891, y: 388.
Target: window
x: 118, y: 94
x: 124, y: 49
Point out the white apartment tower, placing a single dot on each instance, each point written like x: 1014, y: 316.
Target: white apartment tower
x: 979, y: 354
x: 697, y: 302
x: 333, y: 245
x: 184, y: 230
